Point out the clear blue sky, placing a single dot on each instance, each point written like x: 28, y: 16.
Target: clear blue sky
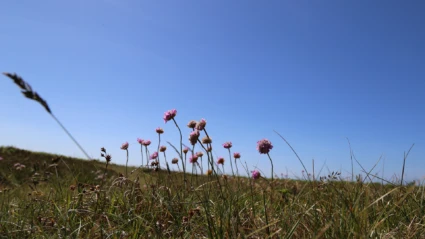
x: 317, y: 72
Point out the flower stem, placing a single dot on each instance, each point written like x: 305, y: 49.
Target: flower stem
x: 271, y: 162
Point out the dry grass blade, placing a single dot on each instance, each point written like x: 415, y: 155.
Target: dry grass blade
x: 29, y: 93
x: 27, y: 90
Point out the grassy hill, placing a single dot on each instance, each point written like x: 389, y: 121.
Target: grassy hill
x: 22, y: 167
x: 53, y: 196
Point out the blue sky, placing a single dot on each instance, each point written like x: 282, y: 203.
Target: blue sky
x: 317, y: 72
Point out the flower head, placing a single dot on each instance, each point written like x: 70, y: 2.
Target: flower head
x: 209, y: 148
x: 169, y: 115
x: 108, y: 158
x: 201, y: 124
x: 193, y: 137
x: 209, y: 172
x: 193, y: 159
x: 264, y: 146
x: 140, y: 141
x: 206, y: 140
x: 200, y: 154
x: 174, y: 160
x: 227, y: 145
x: 220, y: 160
x: 162, y: 148
x: 185, y: 150
x: 236, y: 155
x: 146, y: 142
x: 124, y: 146
x: 255, y: 174
x: 159, y: 130
x: 154, y: 155
x: 191, y: 124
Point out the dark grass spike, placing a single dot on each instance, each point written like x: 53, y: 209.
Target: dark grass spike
x: 30, y: 94
x: 27, y: 90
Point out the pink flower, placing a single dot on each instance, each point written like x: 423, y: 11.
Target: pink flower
x: 227, y: 145
x: 201, y: 124
x: 255, y: 174
x: 146, y: 142
x: 185, y: 150
x: 159, y: 130
x: 193, y: 158
x: 236, y: 155
x: 154, y: 155
x: 220, y: 160
x: 193, y: 137
x: 140, y: 141
x: 124, y: 146
x: 169, y: 115
x: 162, y: 148
x: 264, y: 146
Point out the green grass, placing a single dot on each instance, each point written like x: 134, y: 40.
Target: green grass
x: 39, y: 201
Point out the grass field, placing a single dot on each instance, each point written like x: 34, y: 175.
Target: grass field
x: 53, y: 196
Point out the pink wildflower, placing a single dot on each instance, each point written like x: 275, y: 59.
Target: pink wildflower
x: 264, y: 146
x: 193, y: 159
x: 191, y: 124
x: 162, y: 148
x: 154, y: 155
x: 200, y: 154
x: 201, y: 124
x: 193, y: 137
x: 124, y: 146
x: 146, y: 142
x: 185, y: 150
x: 255, y: 174
x: 227, y: 145
x: 220, y: 160
x: 169, y: 115
x: 236, y: 155
x: 159, y: 130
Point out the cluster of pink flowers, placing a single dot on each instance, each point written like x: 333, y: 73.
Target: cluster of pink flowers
x: 264, y: 146
x: 169, y: 115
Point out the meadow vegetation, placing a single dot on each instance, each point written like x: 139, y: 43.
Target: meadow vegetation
x: 180, y: 190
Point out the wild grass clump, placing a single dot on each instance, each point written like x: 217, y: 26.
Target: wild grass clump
x: 52, y: 196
